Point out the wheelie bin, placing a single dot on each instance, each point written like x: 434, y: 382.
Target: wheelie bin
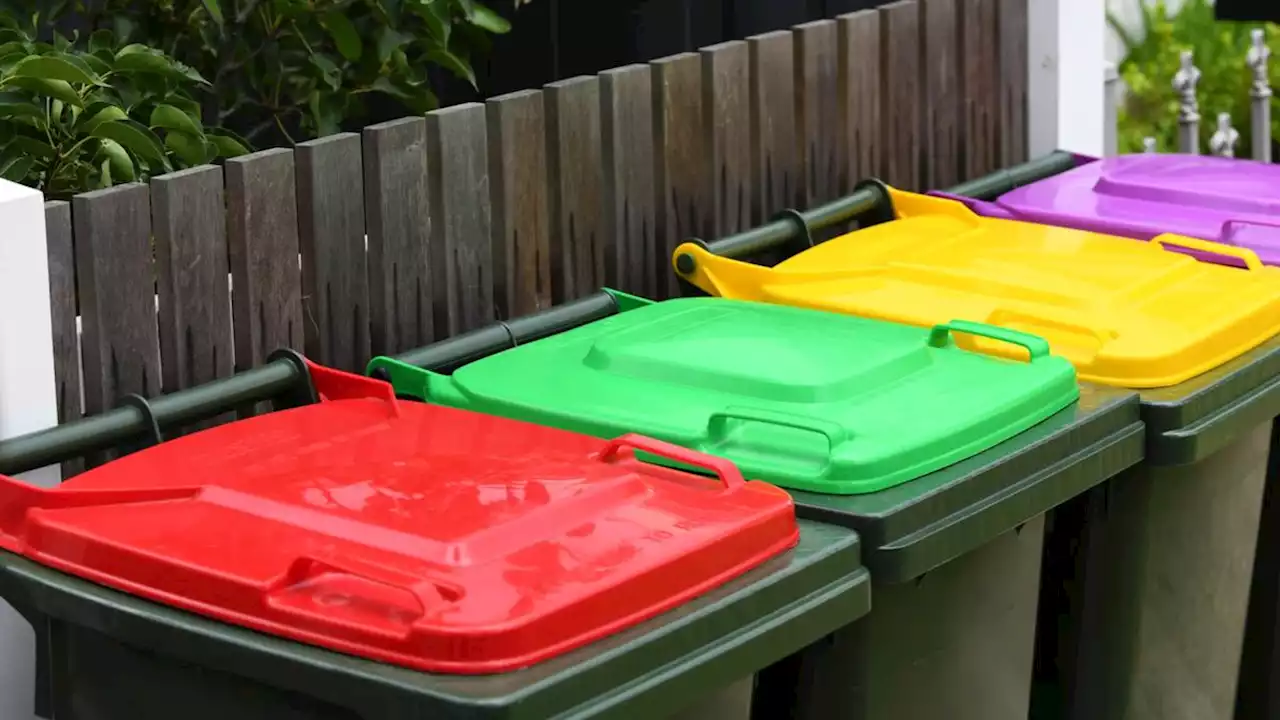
x: 1226, y: 200
x: 943, y: 460
x: 357, y: 556
x: 1166, y: 549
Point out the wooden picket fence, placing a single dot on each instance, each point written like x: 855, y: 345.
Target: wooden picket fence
x: 414, y: 230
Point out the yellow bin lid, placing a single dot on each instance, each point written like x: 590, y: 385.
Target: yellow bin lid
x: 1124, y: 312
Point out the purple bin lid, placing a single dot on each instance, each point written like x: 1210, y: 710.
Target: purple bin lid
x: 1224, y: 200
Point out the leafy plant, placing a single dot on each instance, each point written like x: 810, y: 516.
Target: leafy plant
x: 283, y: 68
x: 75, y: 119
x: 1152, y: 59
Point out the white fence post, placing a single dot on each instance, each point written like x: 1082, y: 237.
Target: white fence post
x: 1065, y: 94
x: 28, y: 397
x: 1111, y: 105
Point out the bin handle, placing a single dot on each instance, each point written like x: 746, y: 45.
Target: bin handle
x: 1245, y: 255
x: 305, y: 569
x: 1036, y: 346
x: 1230, y: 227
x: 835, y: 434
x: 723, y: 467
x: 832, y: 432
x: 17, y: 497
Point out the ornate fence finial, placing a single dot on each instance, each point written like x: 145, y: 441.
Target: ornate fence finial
x: 1184, y: 83
x: 1260, y: 117
x: 1148, y: 145
x: 1223, y: 142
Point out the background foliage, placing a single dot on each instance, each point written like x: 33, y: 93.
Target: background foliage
x: 288, y: 70
x: 81, y: 117
x: 1151, y: 60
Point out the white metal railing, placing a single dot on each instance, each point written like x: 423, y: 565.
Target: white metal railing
x: 1185, y: 81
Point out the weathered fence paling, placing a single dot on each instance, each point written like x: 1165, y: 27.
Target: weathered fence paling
x: 398, y: 227
x: 423, y: 228
x: 520, y: 217
x: 626, y: 139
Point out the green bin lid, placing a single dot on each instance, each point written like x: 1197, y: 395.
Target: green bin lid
x: 804, y: 399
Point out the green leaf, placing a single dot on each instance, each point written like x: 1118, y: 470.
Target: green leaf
x: 324, y: 115
x: 96, y: 64
x: 98, y: 113
x: 171, y: 118
x: 189, y: 73
x: 104, y: 175
x: 418, y: 98
x: 484, y: 18
x: 344, y: 35
x: 388, y: 9
x: 129, y: 94
x: 121, y: 163
x: 186, y: 105
x: 215, y: 10
x: 47, y: 67
x: 140, y: 58
x: 390, y: 40
x: 453, y: 64
x: 143, y: 61
x: 332, y: 75
x: 101, y: 40
x: 79, y: 61
x: 123, y: 26
x: 136, y: 138
x: 228, y: 144
x: 33, y: 147
x: 435, y: 15
x: 191, y: 150
x: 16, y: 168
x: 13, y: 58
x: 16, y: 107
x: 385, y: 86
x: 57, y: 89
x: 132, y: 49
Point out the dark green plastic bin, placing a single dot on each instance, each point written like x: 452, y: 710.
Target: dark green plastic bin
x: 955, y: 555
x: 112, y: 655
x: 116, y: 657
x: 1165, y: 556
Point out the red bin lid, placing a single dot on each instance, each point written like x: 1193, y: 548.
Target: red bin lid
x: 413, y: 534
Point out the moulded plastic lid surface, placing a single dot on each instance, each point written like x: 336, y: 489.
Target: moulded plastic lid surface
x: 418, y: 535
x: 1125, y: 313
x: 1226, y: 200
x: 803, y: 399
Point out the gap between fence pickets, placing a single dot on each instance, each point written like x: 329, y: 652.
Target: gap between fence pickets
x: 230, y: 290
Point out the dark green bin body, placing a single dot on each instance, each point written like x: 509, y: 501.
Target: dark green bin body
x: 1160, y: 561
x: 113, y: 656
x: 955, y: 558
